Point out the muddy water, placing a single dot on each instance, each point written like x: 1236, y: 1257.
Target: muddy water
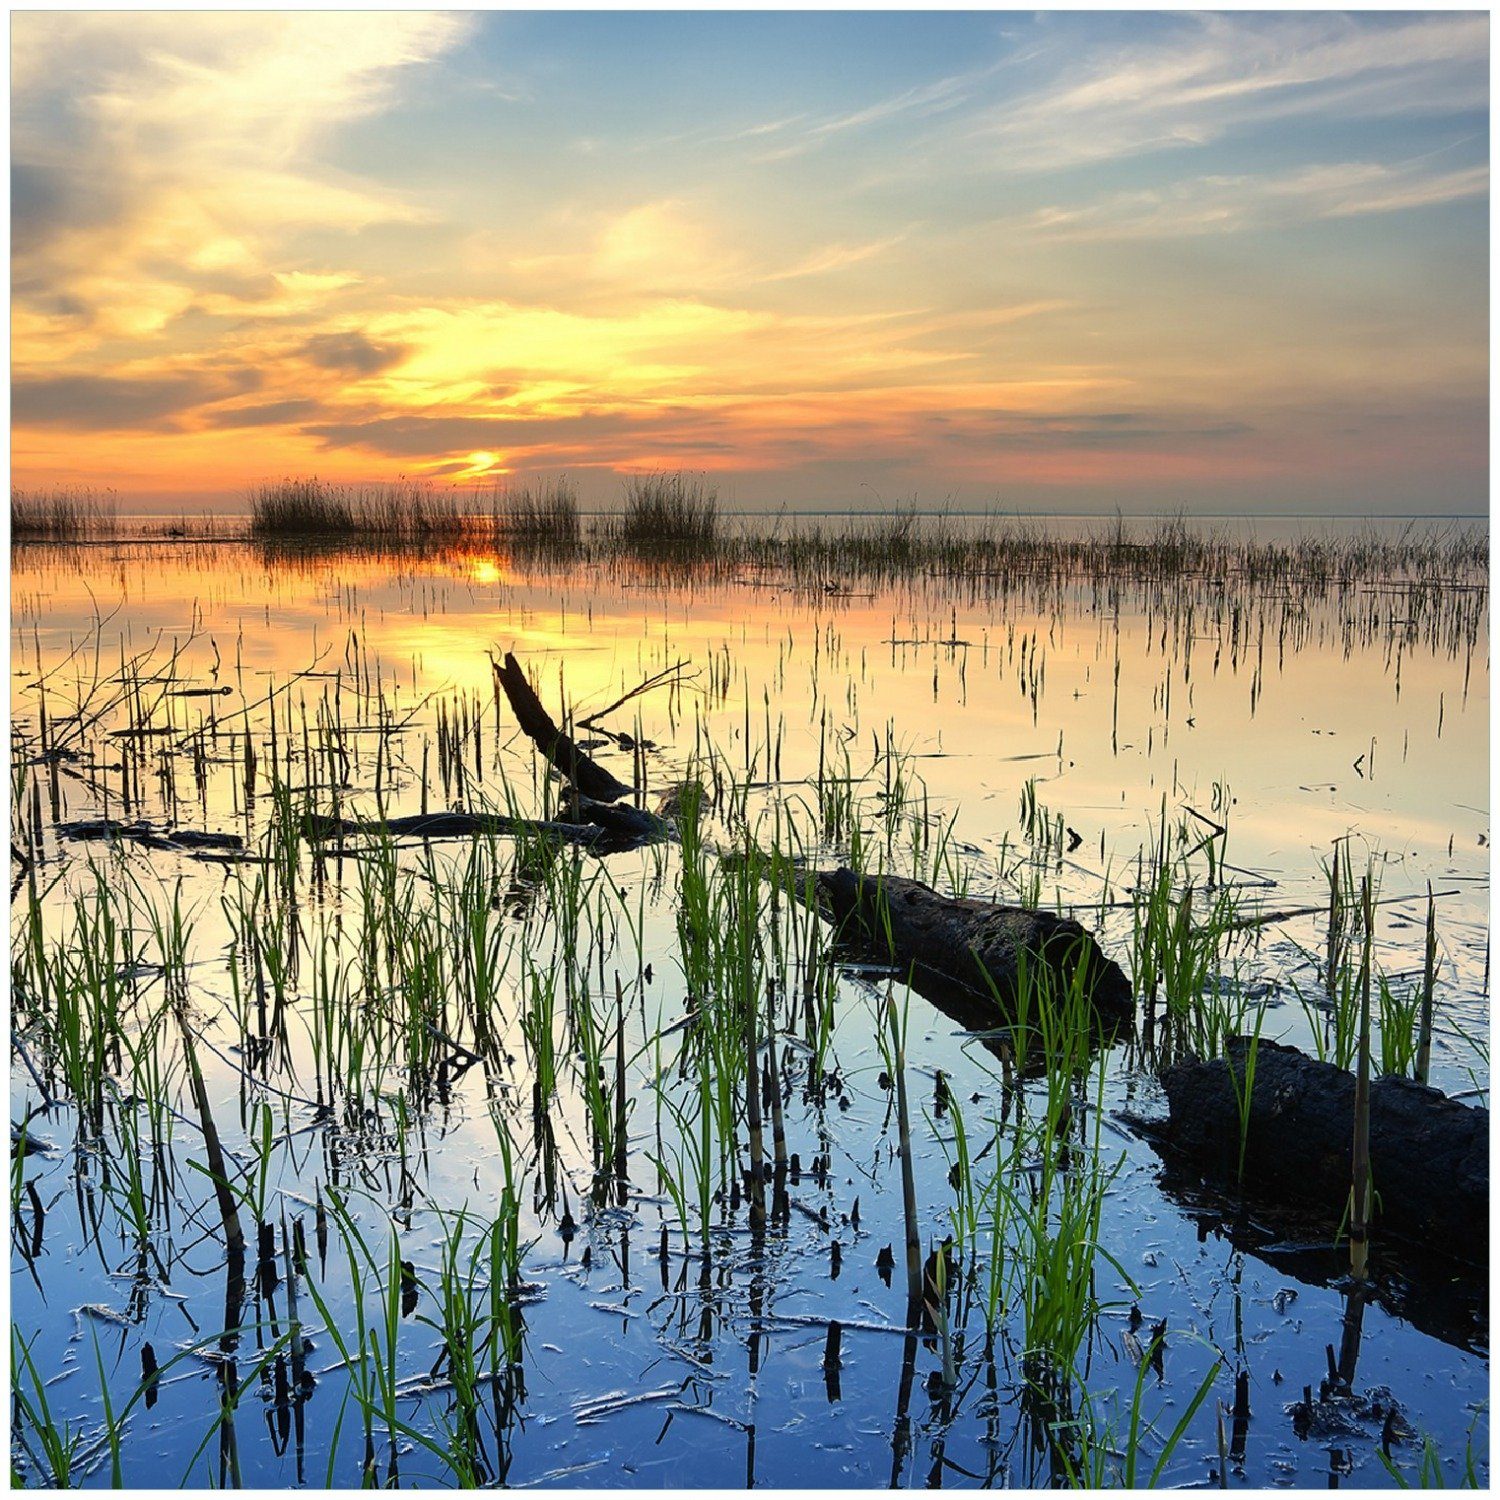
x: 1287, y: 719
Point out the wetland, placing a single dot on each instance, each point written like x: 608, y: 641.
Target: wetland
x: 380, y: 1117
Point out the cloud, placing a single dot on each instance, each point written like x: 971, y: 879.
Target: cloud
x: 1230, y: 204
x: 794, y: 427
x: 417, y: 435
x: 1215, y: 73
x: 102, y: 402
x: 654, y: 248
x: 352, y: 353
x: 920, y: 101
x: 837, y: 258
x: 1084, y: 431
x: 265, y: 414
x: 154, y: 150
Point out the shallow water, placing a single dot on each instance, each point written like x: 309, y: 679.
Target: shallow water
x: 1289, y: 719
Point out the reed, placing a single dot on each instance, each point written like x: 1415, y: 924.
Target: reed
x: 1243, y: 1084
x: 1107, y: 1457
x: 1429, y: 986
x: 896, y: 1026
x: 52, y: 1447
x: 671, y: 509
x: 61, y: 515
x: 315, y: 509
x: 541, y: 513
x: 1359, y: 1199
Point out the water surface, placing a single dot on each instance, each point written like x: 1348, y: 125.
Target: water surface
x: 1026, y: 736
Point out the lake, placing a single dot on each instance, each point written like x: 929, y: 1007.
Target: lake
x: 494, y: 1115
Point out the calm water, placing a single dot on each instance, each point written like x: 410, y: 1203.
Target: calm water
x: 1291, y: 719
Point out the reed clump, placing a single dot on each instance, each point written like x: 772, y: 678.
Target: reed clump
x: 541, y: 513
x: 405, y: 510
x: 68, y: 514
x: 677, y: 509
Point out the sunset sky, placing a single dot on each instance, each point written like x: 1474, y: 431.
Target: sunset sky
x: 1066, y: 262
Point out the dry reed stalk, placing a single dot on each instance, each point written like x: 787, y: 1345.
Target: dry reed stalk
x: 621, y: 1149
x: 229, y: 1213
x: 1335, y: 925
x: 1429, y: 984
x: 752, y: 1115
x: 908, y: 1178
x: 1359, y: 1211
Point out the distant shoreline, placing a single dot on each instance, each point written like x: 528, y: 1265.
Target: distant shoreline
x: 944, y: 513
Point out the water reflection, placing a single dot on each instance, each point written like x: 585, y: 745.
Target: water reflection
x: 1049, y: 720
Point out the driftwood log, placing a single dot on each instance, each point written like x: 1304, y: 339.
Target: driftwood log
x: 447, y: 825
x: 967, y: 955
x: 1441, y: 1297
x: 1429, y: 1155
x: 585, y: 776
x: 592, y: 814
x: 151, y: 835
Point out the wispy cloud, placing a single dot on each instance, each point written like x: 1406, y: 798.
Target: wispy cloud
x: 173, y: 148
x: 1225, y: 70
x: 102, y: 402
x: 1227, y: 205
x: 665, y: 248
x: 937, y: 97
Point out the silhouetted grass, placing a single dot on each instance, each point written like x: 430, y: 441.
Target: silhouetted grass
x: 674, y: 508
x: 905, y: 543
x: 542, y: 513
x: 673, y: 520
x: 313, y: 508
x: 61, y: 515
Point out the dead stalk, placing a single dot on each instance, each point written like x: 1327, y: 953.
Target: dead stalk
x: 1359, y: 1214
x: 1429, y: 984
x: 908, y: 1178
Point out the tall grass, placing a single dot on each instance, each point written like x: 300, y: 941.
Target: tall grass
x: 541, y: 513
x: 674, y: 508
x: 60, y: 515
x: 905, y: 542
x: 405, y: 510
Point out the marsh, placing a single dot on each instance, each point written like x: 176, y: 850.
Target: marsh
x: 500, y: 1158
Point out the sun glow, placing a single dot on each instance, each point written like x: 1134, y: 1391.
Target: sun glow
x: 821, y: 290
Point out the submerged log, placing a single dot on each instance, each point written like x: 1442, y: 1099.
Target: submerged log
x: 595, y: 825
x: 970, y: 952
x: 584, y: 775
x: 448, y: 825
x: 629, y: 826
x: 1440, y: 1297
x: 150, y: 835
x: 1429, y: 1155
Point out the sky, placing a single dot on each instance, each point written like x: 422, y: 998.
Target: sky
x: 1055, y: 262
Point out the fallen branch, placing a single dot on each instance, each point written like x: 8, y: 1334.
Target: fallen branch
x: 584, y: 775
x: 151, y: 836
x: 447, y: 825
x: 659, y: 679
x: 1265, y: 918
